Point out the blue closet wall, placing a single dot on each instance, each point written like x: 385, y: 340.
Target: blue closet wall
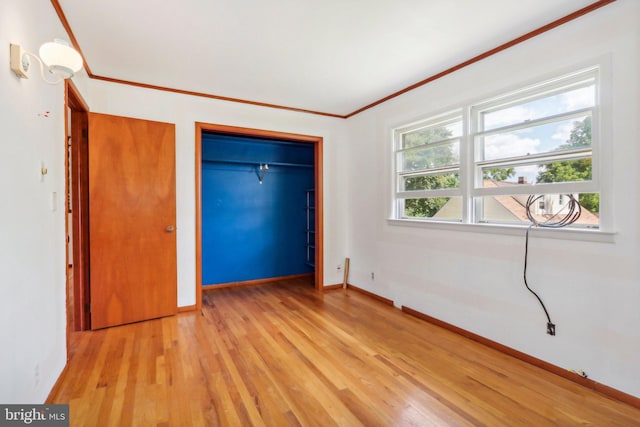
x: 250, y: 230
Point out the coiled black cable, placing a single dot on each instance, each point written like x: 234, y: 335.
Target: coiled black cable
x: 566, y: 216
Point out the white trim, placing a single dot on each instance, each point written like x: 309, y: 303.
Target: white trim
x: 521, y: 189
x: 426, y: 194
x: 579, y: 234
x: 471, y: 188
x: 534, y: 159
x: 440, y: 170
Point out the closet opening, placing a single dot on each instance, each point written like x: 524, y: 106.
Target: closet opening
x: 259, y: 207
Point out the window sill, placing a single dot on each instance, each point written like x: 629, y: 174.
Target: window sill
x: 510, y: 230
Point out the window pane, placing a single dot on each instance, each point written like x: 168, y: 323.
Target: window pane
x: 562, y: 171
x: 430, y: 182
x: 557, y: 136
x: 430, y: 157
x: 445, y: 208
x: 550, y: 207
x: 432, y: 134
x: 535, y: 138
x: 571, y: 100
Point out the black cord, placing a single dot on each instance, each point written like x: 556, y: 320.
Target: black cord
x: 555, y: 221
x: 526, y: 251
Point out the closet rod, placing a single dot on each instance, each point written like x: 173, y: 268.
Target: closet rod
x: 247, y: 162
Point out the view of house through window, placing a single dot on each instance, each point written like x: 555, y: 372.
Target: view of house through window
x: 536, y: 140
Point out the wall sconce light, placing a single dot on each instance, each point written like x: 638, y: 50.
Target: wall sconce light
x: 60, y: 59
x: 263, y: 169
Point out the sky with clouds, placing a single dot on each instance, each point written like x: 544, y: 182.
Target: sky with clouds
x: 537, y: 139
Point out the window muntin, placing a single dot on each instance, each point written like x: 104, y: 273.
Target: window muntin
x: 537, y: 137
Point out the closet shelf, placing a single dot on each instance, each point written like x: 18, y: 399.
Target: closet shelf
x: 247, y: 162
x: 310, y: 232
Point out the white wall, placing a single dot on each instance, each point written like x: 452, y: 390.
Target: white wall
x: 32, y: 240
x: 474, y: 280
x: 185, y: 111
x: 32, y: 247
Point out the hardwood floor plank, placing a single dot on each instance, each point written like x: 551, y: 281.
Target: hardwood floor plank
x: 444, y: 408
x: 359, y: 359
x: 283, y: 355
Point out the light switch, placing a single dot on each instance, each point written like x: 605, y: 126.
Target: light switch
x: 54, y: 201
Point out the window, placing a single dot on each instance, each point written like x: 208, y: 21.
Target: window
x: 479, y: 164
x: 428, y: 168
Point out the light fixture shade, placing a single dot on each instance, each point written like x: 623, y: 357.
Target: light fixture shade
x: 60, y: 58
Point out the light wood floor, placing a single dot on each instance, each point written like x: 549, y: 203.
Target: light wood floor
x: 281, y: 355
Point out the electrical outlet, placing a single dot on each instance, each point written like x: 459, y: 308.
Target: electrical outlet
x: 373, y: 276
x: 339, y: 267
x: 551, y: 328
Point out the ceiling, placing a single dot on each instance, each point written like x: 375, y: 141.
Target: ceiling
x: 330, y: 56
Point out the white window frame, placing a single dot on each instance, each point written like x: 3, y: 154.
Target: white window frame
x: 400, y: 194
x: 471, y: 186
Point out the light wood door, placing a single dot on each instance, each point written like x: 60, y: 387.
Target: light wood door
x: 132, y: 217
